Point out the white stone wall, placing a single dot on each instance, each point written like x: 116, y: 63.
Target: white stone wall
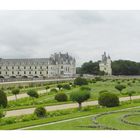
x: 36, y: 68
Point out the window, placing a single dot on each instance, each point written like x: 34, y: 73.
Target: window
x: 0, y: 67
x: 6, y: 67
x: 18, y: 72
x: 35, y: 72
x: 6, y: 72
x: 18, y: 67
x: 24, y: 72
x: 29, y: 72
x: 40, y: 72
x: 61, y: 67
x: 30, y: 67
x: 47, y: 67
x: 35, y: 67
x: 24, y: 67
x: 40, y: 67
x: 12, y: 72
x: 12, y: 67
x: 0, y: 72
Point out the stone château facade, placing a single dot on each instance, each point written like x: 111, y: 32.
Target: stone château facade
x: 58, y: 65
x: 105, y: 64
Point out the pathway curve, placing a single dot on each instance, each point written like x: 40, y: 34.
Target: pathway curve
x: 59, y: 107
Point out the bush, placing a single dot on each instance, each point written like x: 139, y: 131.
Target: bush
x: 80, y: 96
x: 33, y: 93
x: 61, y: 97
x: 85, y: 88
x: 47, y: 87
x: 67, y: 86
x: 98, y: 78
x: 40, y: 112
x: 60, y: 86
x: 108, y: 100
x: 53, y: 90
x: 80, y: 81
x: 3, y: 99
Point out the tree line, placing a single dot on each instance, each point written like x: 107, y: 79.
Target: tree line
x: 119, y: 67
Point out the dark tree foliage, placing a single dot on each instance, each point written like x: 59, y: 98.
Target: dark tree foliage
x: 3, y: 99
x: 89, y: 68
x: 80, y: 81
x: 119, y: 67
x: 125, y: 67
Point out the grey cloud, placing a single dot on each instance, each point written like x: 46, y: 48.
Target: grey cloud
x: 84, y: 34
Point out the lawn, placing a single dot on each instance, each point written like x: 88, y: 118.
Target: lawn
x: 111, y: 121
x: 48, y: 99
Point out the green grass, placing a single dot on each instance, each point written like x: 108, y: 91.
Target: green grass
x: 73, y: 113
x: 48, y: 99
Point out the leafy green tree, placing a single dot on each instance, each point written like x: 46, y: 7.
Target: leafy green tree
x: 15, y: 92
x: 80, y: 81
x: 33, y: 94
x: 120, y: 87
x: 80, y: 96
x: 130, y: 94
x: 3, y: 99
x: 108, y: 100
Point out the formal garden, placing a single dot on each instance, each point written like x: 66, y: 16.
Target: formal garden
x: 106, y: 114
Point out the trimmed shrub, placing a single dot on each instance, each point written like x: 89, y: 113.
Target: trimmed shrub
x: 2, y: 113
x: 80, y: 81
x: 47, y: 87
x: 108, y: 100
x: 60, y: 86
x: 40, y: 112
x: 53, y: 90
x: 67, y: 86
x: 61, y: 97
x: 3, y: 99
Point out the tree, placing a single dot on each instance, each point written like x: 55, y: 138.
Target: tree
x: 61, y: 97
x: 40, y: 112
x: 3, y: 99
x: 80, y: 96
x: 130, y: 94
x: 15, y: 92
x: 120, y: 87
x: 59, y: 86
x: 33, y: 94
x: 108, y: 100
x: 80, y: 81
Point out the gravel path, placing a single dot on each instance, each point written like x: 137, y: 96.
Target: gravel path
x: 58, y: 107
x: 23, y: 95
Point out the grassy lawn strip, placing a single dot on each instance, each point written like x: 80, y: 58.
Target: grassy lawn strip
x: 86, y: 111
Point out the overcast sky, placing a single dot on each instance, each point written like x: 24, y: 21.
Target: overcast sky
x: 84, y: 34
